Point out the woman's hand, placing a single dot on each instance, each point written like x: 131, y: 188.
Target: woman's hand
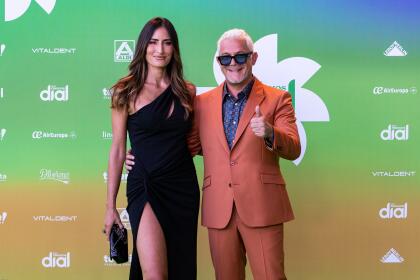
x: 111, y: 217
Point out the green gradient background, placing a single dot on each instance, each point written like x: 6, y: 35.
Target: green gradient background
x: 337, y: 233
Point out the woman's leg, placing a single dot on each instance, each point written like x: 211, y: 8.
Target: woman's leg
x: 151, y: 246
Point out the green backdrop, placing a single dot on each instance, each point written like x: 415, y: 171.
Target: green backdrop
x: 351, y: 66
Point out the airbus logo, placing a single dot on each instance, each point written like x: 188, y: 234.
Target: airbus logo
x: 290, y: 74
x: 14, y: 9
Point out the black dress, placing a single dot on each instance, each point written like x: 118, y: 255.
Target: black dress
x: 164, y: 176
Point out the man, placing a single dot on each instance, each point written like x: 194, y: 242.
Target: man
x: 241, y: 128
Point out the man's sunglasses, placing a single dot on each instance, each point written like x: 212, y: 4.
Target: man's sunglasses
x: 239, y: 58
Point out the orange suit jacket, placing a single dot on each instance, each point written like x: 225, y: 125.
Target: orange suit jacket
x: 249, y: 174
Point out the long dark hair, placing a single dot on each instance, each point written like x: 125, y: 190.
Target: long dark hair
x: 128, y: 88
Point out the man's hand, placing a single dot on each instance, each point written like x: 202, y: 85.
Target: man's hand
x: 259, y: 126
x: 129, y: 161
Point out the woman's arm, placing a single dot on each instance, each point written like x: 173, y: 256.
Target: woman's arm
x: 115, y: 164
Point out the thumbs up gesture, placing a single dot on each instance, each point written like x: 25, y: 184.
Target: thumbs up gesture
x: 259, y: 126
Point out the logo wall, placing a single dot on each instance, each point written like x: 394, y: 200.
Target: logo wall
x: 106, y: 93
x: 109, y: 262
x: 2, y: 133
x: 124, y: 217
x: 3, y: 217
x: 394, y: 91
x: 392, y: 256
x: 3, y: 178
x: 395, y: 49
x: 38, y: 134
x: 124, y: 177
x: 14, y: 9
x: 50, y: 175
x: 55, y: 93
x: 123, y: 50
x: 56, y: 260
x: 55, y: 219
x: 394, y: 211
x: 290, y: 74
x: 395, y: 132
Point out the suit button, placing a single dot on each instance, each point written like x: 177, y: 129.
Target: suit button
x: 232, y: 163
x: 230, y: 185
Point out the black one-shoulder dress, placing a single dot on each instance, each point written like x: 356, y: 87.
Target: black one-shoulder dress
x: 164, y: 176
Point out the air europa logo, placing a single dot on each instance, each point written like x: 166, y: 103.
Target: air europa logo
x: 290, y: 74
x: 394, y: 91
x: 14, y: 9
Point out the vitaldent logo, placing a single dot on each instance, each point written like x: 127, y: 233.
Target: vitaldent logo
x: 1, y: 93
x: 38, y: 134
x: 394, y: 91
x: 55, y: 219
x: 3, y: 217
x: 395, y: 49
x: 106, y: 135
x: 106, y: 93
x: 123, y: 177
x: 123, y: 50
x: 395, y: 132
x: 55, y: 93
x: 2, y: 133
x: 394, y: 211
x: 291, y: 73
x: 50, y: 175
x: 14, y: 9
x: 397, y: 173
x: 392, y: 256
x: 125, y: 218
x: 54, y: 51
x: 109, y: 262
x: 3, y: 178
x: 56, y: 260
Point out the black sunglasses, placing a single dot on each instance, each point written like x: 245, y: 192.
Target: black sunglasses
x: 239, y: 58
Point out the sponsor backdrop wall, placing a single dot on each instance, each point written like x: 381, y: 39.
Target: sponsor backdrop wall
x: 351, y: 67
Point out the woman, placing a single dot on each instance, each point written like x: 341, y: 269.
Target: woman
x: 154, y: 104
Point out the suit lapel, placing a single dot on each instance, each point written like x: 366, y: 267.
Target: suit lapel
x: 256, y: 96
x: 219, y: 118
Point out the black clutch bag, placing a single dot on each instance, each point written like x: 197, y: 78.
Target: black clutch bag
x: 118, y: 244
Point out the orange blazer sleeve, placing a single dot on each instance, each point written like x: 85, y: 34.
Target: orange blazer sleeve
x: 286, y: 137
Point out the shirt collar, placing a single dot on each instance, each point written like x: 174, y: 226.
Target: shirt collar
x: 244, y: 93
